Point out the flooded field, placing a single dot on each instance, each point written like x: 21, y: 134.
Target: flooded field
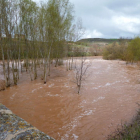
x: 108, y: 97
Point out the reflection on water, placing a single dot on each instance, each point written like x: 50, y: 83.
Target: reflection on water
x: 108, y: 96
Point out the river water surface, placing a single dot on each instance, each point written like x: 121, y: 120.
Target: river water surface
x: 108, y: 97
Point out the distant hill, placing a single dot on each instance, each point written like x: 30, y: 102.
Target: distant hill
x: 89, y: 40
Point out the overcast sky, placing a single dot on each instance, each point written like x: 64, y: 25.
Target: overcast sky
x: 109, y: 18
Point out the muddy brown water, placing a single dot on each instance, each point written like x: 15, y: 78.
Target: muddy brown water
x: 108, y: 97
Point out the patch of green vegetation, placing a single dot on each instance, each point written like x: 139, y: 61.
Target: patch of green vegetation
x: 115, y: 51
x: 129, y: 131
x: 124, y: 50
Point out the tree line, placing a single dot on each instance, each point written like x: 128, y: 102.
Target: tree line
x: 124, y: 49
x: 33, y: 35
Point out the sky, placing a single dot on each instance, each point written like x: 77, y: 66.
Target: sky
x: 108, y: 18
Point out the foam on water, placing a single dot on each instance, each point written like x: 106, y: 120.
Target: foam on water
x: 109, y: 84
x: 74, y: 122
x: 75, y: 137
x: 53, y: 95
x: 13, y: 96
x: 51, y: 85
x: 36, y: 89
x: 100, y: 98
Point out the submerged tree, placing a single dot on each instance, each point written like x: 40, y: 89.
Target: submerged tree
x: 81, y: 68
x: 33, y: 34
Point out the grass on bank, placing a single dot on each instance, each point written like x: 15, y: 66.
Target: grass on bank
x: 129, y: 131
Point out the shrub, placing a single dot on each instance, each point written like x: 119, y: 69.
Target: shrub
x: 133, y: 51
x: 112, y: 51
x: 115, y: 51
x: 129, y: 131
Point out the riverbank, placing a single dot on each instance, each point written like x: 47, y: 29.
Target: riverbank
x: 128, y: 131
x: 13, y: 127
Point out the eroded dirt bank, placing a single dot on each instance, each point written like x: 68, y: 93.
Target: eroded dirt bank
x: 108, y: 96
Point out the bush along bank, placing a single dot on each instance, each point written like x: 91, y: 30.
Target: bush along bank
x: 129, y: 131
x: 124, y: 50
x: 13, y: 127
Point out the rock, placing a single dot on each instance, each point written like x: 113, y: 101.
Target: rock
x: 13, y: 127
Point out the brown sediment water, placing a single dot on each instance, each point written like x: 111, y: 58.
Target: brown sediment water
x: 107, y: 98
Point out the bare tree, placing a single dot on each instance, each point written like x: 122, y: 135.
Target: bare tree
x: 81, y: 68
x: 94, y: 50
x: 77, y: 31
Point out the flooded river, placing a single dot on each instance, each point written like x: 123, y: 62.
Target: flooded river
x: 108, y: 97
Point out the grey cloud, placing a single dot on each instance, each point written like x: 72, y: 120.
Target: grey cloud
x: 99, y: 16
